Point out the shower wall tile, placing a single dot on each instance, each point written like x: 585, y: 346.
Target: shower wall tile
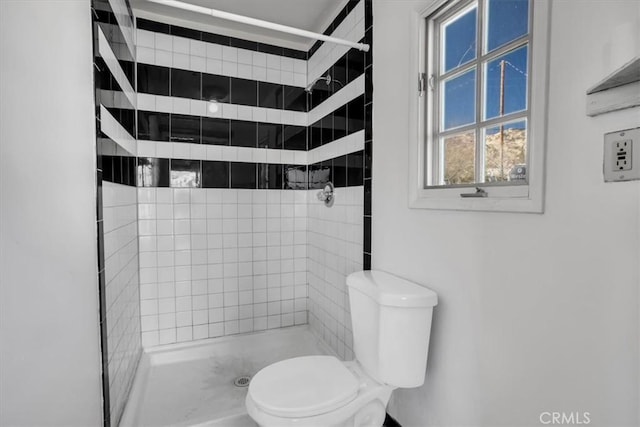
x: 338, y: 128
x: 217, y: 262
x: 335, y: 244
x: 116, y: 148
x: 121, y: 290
x: 352, y: 28
x: 217, y: 57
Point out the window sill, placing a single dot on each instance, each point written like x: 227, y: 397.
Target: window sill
x: 514, y: 199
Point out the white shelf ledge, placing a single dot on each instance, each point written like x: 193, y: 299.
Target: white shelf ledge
x: 618, y: 91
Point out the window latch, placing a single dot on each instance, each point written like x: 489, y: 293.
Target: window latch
x: 422, y: 83
x: 479, y: 193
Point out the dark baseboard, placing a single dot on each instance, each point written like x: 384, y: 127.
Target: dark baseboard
x: 389, y: 421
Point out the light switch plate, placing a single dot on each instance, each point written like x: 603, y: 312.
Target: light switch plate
x: 622, y: 155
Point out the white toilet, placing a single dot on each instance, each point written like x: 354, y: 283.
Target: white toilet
x: 391, y: 320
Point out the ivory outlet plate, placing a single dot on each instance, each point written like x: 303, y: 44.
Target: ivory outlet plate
x: 622, y: 155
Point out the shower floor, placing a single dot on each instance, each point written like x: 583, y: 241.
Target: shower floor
x: 192, y: 384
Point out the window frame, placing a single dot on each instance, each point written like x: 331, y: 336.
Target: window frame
x: 504, y: 196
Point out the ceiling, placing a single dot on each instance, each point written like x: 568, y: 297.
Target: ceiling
x: 311, y: 15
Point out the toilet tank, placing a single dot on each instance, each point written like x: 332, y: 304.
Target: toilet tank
x: 391, y: 320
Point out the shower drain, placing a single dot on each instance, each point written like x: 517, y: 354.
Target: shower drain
x: 242, y: 381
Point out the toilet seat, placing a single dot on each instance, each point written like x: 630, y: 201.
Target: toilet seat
x: 303, y: 386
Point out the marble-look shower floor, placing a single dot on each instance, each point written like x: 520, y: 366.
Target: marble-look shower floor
x: 192, y: 384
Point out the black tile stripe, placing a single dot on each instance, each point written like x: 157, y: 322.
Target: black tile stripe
x: 179, y: 173
x: 367, y: 163
x: 168, y: 81
x: 169, y: 127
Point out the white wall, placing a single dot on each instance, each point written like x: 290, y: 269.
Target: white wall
x: 50, y: 348
x: 537, y: 312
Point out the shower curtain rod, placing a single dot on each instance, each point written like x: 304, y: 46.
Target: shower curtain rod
x: 260, y: 23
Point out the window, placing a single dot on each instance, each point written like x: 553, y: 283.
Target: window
x: 481, y: 107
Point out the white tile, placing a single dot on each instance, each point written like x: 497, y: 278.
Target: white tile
x: 229, y: 111
x: 214, y: 66
x: 198, y: 63
x: 259, y: 155
x: 229, y: 69
x: 273, y: 61
x: 150, y: 339
x: 273, y: 76
x: 286, y: 78
x: 163, y: 42
x: 213, y: 152
x: 181, y: 60
x: 287, y: 156
x: 198, y: 151
x: 245, y: 112
x: 300, y: 118
x: 197, y: 48
x: 259, y: 73
x: 259, y: 114
x: 245, y: 71
x: 259, y: 59
x: 300, y: 158
x: 286, y: 63
x: 146, y: 55
x: 181, y: 106
x: 180, y: 45
x: 229, y: 54
x: 273, y: 156
x: 245, y: 56
x: 145, y: 39
x: 300, y: 66
x: 181, y: 150
x: 229, y: 154
x: 213, y: 51
x: 245, y: 154
x: 274, y: 116
x: 164, y: 150
x: 300, y: 79
x: 146, y: 102
x: 287, y: 116
x: 164, y: 104
x: 164, y: 58
x: 197, y: 107
x: 146, y: 149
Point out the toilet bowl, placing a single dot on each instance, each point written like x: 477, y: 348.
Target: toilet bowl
x: 316, y: 391
x: 391, y: 320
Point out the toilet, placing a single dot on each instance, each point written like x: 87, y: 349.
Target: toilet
x: 391, y: 319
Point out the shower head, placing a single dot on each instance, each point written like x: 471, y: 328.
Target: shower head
x: 310, y: 86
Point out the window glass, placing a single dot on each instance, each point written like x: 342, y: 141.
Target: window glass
x: 459, y: 39
x: 505, y: 152
x: 508, y: 20
x: 459, y: 100
x: 458, y: 163
x: 506, y: 84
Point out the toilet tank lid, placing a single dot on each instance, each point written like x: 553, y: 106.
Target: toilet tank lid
x: 391, y: 290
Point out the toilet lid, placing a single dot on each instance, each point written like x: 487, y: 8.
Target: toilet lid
x: 303, y: 386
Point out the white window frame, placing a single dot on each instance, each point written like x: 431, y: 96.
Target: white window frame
x: 504, y: 197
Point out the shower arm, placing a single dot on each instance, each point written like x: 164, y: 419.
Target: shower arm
x: 260, y: 23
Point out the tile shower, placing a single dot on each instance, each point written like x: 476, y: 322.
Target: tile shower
x: 230, y: 235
